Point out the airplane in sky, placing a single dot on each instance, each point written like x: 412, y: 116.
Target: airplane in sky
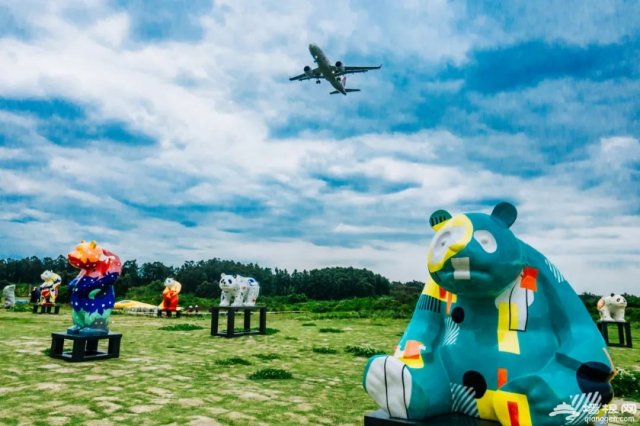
x: 331, y: 73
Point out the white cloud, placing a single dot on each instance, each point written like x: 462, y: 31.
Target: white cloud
x: 211, y: 106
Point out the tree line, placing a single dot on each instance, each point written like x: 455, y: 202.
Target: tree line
x: 201, y: 278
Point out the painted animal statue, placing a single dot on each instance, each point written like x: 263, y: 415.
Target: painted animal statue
x: 611, y: 308
x: 498, y: 333
x: 92, y: 293
x: 238, y: 290
x: 170, y: 295
x: 49, y: 287
x: 9, y: 295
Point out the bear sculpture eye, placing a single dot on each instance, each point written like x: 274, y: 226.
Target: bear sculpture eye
x: 486, y: 241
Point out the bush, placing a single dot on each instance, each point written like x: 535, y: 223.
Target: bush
x: 364, y: 350
x: 181, y: 327
x: 329, y: 330
x: 627, y: 384
x: 267, y: 357
x: 324, y: 350
x: 271, y: 374
x: 22, y: 307
x: 233, y: 361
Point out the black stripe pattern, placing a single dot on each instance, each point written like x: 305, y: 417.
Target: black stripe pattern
x: 429, y: 303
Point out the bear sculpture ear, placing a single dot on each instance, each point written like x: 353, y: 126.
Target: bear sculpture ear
x: 438, y: 218
x: 506, y: 213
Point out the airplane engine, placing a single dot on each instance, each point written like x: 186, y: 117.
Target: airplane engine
x: 339, y: 66
x: 307, y: 71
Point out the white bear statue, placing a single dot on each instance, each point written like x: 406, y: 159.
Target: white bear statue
x: 612, y: 308
x: 9, y: 294
x: 238, y: 290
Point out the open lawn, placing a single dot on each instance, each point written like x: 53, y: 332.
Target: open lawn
x: 187, y: 377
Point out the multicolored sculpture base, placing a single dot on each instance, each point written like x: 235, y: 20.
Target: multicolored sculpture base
x: 85, y: 348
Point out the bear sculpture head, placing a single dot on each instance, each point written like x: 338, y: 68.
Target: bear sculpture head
x: 475, y: 253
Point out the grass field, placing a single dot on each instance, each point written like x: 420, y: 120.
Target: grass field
x: 187, y: 377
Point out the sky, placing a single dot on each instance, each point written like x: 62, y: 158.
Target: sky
x: 169, y: 131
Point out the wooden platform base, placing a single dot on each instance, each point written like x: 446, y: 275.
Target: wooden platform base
x: 85, y: 348
x: 231, y: 318
x: 46, y: 309
x: 381, y: 418
x: 624, y: 333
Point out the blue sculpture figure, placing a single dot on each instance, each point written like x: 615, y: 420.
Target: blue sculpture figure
x: 92, y: 294
x: 498, y: 333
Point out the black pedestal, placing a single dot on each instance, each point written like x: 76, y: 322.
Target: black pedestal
x: 624, y: 333
x: 169, y: 313
x: 85, y: 348
x: 381, y: 418
x: 46, y: 309
x: 231, y: 318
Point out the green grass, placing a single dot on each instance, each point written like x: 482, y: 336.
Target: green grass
x: 181, y: 327
x: 187, y: 377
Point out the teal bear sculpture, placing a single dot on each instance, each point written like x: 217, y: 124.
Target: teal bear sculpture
x: 498, y: 334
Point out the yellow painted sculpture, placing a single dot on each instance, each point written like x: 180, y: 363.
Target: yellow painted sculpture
x: 49, y: 288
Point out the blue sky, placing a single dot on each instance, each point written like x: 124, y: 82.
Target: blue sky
x: 169, y: 130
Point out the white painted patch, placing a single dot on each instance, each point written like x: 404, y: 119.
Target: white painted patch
x: 389, y: 384
x: 486, y: 240
x: 461, y: 268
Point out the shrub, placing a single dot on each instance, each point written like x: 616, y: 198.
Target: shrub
x: 233, y: 361
x: 22, y: 307
x: 267, y: 357
x: 181, y: 327
x: 270, y: 374
x: 324, y: 350
x: 364, y: 350
x: 329, y: 330
x: 627, y: 384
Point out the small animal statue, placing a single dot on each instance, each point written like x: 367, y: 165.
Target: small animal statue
x: 611, y: 308
x: 238, y: 290
x: 49, y: 288
x: 498, y: 334
x: 9, y: 295
x: 92, y: 293
x: 170, y: 295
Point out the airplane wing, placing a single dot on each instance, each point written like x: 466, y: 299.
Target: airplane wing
x: 313, y: 74
x: 353, y: 70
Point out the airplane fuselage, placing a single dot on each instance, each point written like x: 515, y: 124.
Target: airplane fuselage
x: 325, y: 68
